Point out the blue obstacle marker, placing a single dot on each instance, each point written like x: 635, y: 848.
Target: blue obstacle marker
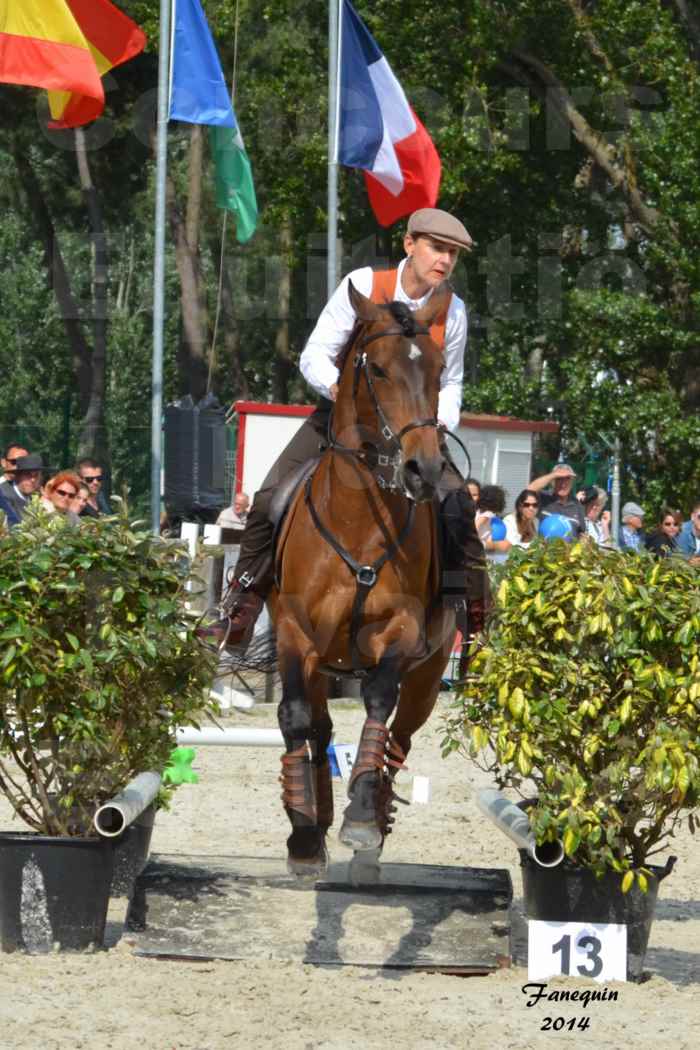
x: 498, y: 528
x: 335, y: 768
x: 555, y: 527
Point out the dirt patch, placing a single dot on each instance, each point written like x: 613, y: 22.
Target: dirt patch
x: 113, y: 999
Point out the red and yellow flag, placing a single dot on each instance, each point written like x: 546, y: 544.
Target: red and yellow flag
x: 65, y: 46
x: 113, y: 39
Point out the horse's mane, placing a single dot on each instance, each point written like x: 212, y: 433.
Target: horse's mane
x: 401, y: 314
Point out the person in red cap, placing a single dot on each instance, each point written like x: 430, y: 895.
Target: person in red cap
x: 432, y: 244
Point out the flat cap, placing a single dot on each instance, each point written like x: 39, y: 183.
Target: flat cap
x: 632, y: 510
x: 440, y: 225
x: 32, y: 461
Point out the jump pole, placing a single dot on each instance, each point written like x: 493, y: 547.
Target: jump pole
x: 211, y: 736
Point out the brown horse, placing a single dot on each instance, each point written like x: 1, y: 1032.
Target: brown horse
x: 358, y: 580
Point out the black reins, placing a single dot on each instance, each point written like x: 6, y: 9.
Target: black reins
x: 366, y: 575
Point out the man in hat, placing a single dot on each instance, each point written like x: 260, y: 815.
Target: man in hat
x: 560, y: 500
x: 631, y: 535
x: 432, y: 244
x: 27, y: 481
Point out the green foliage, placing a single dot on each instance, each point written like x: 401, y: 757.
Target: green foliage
x: 577, y: 311
x: 98, y: 664
x: 589, y: 686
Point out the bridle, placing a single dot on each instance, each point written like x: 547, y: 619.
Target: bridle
x: 366, y: 575
x: 393, y: 458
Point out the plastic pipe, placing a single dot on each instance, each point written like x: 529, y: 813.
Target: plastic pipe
x: 230, y: 737
x: 115, y: 815
x: 514, y: 823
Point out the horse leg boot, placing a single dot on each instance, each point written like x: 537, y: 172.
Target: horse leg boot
x: 465, y: 586
x: 368, y: 817
x: 306, y: 789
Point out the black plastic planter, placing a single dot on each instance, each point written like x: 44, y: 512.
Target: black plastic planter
x: 569, y: 893
x: 54, y: 892
x: 131, y: 853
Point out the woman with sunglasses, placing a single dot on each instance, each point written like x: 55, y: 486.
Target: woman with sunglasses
x: 59, y: 492
x: 663, y: 541
x: 521, y: 525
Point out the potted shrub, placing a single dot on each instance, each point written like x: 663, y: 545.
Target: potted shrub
x: 588, y: 687
x: 98, y: 665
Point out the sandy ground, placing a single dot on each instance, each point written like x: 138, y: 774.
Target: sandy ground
x: 117, y: 1000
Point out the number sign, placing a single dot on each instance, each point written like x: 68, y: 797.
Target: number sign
x: 577, y: 949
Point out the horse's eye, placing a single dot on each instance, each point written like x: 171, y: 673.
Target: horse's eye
x: 378, y: 372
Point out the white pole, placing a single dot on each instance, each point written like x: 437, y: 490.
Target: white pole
x: 159, y: 266
x: 514, y: 823
x: 115, y: 815
x: 229, y: 737
x: 189, y: 532
x: 334, y: 24
x: 615, y: 508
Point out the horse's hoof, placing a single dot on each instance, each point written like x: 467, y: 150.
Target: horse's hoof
x: 360, y: 835
x: 308, y: 867
x: 365, y: 868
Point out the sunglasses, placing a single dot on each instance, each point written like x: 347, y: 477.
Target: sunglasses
x: 529, y: 504
x: 671, y: 525
x: 67, y: 495
x: 92, y: 477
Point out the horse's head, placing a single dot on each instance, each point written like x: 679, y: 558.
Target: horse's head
x: 389, y: 388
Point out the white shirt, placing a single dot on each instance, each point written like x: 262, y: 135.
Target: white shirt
x: 513, y: 532
x: 337, y: 321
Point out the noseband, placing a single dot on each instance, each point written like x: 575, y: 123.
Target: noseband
x: 366, y: 575
x: 391, y: 440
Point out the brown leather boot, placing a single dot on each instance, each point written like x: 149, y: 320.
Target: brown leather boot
x: 235, y: 629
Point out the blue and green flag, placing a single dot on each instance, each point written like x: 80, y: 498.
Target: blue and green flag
x: 199, y: 95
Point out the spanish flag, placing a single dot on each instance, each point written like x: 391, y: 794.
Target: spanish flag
x: 65, y: 46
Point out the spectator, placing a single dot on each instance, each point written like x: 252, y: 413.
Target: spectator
x: 560, y: 501
x: 521, y: 525
x: 663, y: 541
x: 59, y: 492
x: 492, y: 502
x: 235, y: 517
x: 9, y: 459
x: 77, y: 505
x: 9, y: 511
x: 689, y: 538
x: 631, y: 535
x: 90, y: 471
x: 474, y: 489
x: 27, y: 482
x: 593, y: 500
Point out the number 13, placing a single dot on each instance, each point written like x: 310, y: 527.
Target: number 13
x: 591, y: 945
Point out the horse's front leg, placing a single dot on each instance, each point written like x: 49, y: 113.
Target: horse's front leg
x: 368, y: 816
x: 306, y: 782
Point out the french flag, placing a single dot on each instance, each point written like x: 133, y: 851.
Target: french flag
x: 378, y: 131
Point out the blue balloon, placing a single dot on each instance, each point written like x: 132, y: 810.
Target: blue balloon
x: 498, y: 528
x: 555, y: 527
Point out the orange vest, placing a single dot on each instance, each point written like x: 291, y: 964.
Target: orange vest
x: 383, y: 289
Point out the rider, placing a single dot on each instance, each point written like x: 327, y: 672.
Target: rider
x: 432, y: 244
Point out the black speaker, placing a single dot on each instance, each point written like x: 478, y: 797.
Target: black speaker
x: 195, y: 456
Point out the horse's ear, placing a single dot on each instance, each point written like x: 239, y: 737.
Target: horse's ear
x: 365, y: 309
x: 436, y: 305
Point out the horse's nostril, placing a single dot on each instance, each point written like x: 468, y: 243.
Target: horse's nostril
x: 411, y: 467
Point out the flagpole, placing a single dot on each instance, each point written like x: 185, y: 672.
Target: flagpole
x: 159, y: 266
x: 334, y: 29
